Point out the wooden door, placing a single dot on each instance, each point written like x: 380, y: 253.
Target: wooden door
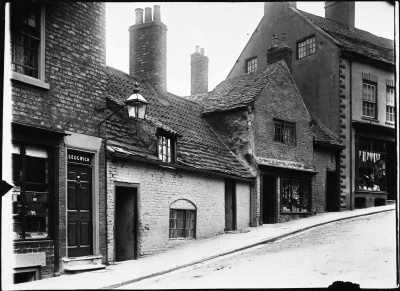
x: 269, y: 198
x: 332, y: 192
x: 79, y: 211
x: 230, y: 204
x: 126, y: 216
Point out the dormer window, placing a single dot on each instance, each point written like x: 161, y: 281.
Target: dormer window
x: 166, y: 148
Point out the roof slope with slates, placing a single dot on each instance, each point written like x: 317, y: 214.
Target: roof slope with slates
x: 355, y: 40
x: 197, y: 146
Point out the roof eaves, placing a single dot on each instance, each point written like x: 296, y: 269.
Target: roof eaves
x: 320, y: 30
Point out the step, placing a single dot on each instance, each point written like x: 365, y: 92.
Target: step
x: 85, y: 260
x: 83, y: 268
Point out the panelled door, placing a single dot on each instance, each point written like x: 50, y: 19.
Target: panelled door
x: 79, y: 211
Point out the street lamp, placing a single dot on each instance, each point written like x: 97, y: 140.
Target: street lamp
x: 136, y: 105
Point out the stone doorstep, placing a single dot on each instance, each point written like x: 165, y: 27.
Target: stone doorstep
x: 83, y: 268
x: 85, y: 260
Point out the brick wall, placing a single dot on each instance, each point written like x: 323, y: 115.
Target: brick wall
x: 46, y: 246
x: 158, y: 188
x: 242, y: 204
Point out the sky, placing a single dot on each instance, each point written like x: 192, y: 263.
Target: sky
x: 221, y: 28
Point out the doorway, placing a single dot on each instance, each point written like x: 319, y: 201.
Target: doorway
x: 269, y: 198
x: 79, y: 211
x: 230, y: 205
x: 332, y: 193
x: 126, y: 223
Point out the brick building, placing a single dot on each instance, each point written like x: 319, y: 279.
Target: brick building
x: 58, y: 157
x: 346, y: 78
x: 169, y: 177
x: 262, y: 118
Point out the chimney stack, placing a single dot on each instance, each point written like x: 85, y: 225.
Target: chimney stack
x: 282, y: 52
x: 342, y: 12
x: 148, y: 49
x: 199, y: 72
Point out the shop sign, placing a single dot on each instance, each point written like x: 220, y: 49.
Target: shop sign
x: 79, y: 157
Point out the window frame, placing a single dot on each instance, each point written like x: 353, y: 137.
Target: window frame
x: 40, y: 80
x: 185, y: 211
x: 302, y: 41
x: 302, y: 181
x: 22, y: 184
x: 251, y: 65
x: 285, y: 137
x: 393, y: 108
x: 173, y: 141
x: 369, y: 83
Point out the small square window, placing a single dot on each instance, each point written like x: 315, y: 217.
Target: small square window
x: 166, y: 148
x: 306, y: 47
x: 390, y: 112
x: 369, y: 100
x: 182, y: 223
x: 284, y: 131
x: 251, y: 65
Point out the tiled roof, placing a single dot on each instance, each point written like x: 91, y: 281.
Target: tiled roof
x: 357, y: 40
x: 323, y: 136
x: 198, y: 146
x: 238, y: 91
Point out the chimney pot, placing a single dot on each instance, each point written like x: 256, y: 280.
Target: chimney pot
x: 139, y: 15
x: 283, y: 41
x: 147, y: 14
x: 202, y: 51
x: 275, y: 39
x: 197, y: 48
x: 157, y: 13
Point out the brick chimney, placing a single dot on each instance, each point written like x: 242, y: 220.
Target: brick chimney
x: 148, y: 48
x: 342, y: 12
x: 280, y: 51
x: 199, y: 72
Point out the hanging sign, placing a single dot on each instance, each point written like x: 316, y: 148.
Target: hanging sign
x: 79, y: 157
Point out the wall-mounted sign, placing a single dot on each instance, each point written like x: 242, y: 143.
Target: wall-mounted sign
x: 79, y: 157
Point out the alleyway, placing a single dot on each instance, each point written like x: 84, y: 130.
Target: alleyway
x: 361, y: 250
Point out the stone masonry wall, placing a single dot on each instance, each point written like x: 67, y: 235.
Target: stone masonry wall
x: 160, y: 187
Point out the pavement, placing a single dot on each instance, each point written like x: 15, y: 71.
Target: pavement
x: 198, y: 251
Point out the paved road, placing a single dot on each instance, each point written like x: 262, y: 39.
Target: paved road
x: 361, y: 250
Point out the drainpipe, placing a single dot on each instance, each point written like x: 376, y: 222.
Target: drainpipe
x: 351, y: 136
x: 106, y: 194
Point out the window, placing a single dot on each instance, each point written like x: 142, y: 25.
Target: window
x: 369, y: 100
x: 182, y: 223
x: 166, y: 149
x: 31, y: 196
x: 251, y: 65
x: 390, y: 104
x: 306, y: 47
x: 284, y: 131
x: 25, y: 38
x: 371, y: 174
x: 295, y: 194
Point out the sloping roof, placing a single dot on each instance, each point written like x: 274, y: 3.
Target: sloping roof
x: 238, y: 91
x: 356, y: 41
x: 322, y: 136
x: 197, y: 146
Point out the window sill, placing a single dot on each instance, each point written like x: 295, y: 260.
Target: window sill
x: 370, y: 192
x: 29, y: 80
x: 182, y: 238
x: 305, y: 213
x: 33, y: 240
x: 370, y: 119
x: 390, y: 122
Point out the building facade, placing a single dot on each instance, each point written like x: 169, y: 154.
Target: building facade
x: 346, y: 78
x: 58, y: 200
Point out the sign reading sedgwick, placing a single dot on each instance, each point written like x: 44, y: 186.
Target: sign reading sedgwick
x: 79, y: 157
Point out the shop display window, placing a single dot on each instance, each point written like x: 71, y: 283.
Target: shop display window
x: 295, y: 195
x: 371, y: 174
x: 30, y: 197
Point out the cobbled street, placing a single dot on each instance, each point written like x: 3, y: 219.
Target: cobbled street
x: 360, y: 250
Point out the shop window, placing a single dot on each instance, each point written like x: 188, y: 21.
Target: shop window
x: 31, y: 194
x: 166, y: 148
x: 182, y: 223
x: 295, y: 195
x: 27, y: 35
x: 251, y: 65
x: 369, y: 100
x: 371, y: 174
x: 390, y: 115
x: 306, y: 47
x: 284, y: 131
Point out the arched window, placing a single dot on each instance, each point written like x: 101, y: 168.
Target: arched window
x: 182, y: 220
